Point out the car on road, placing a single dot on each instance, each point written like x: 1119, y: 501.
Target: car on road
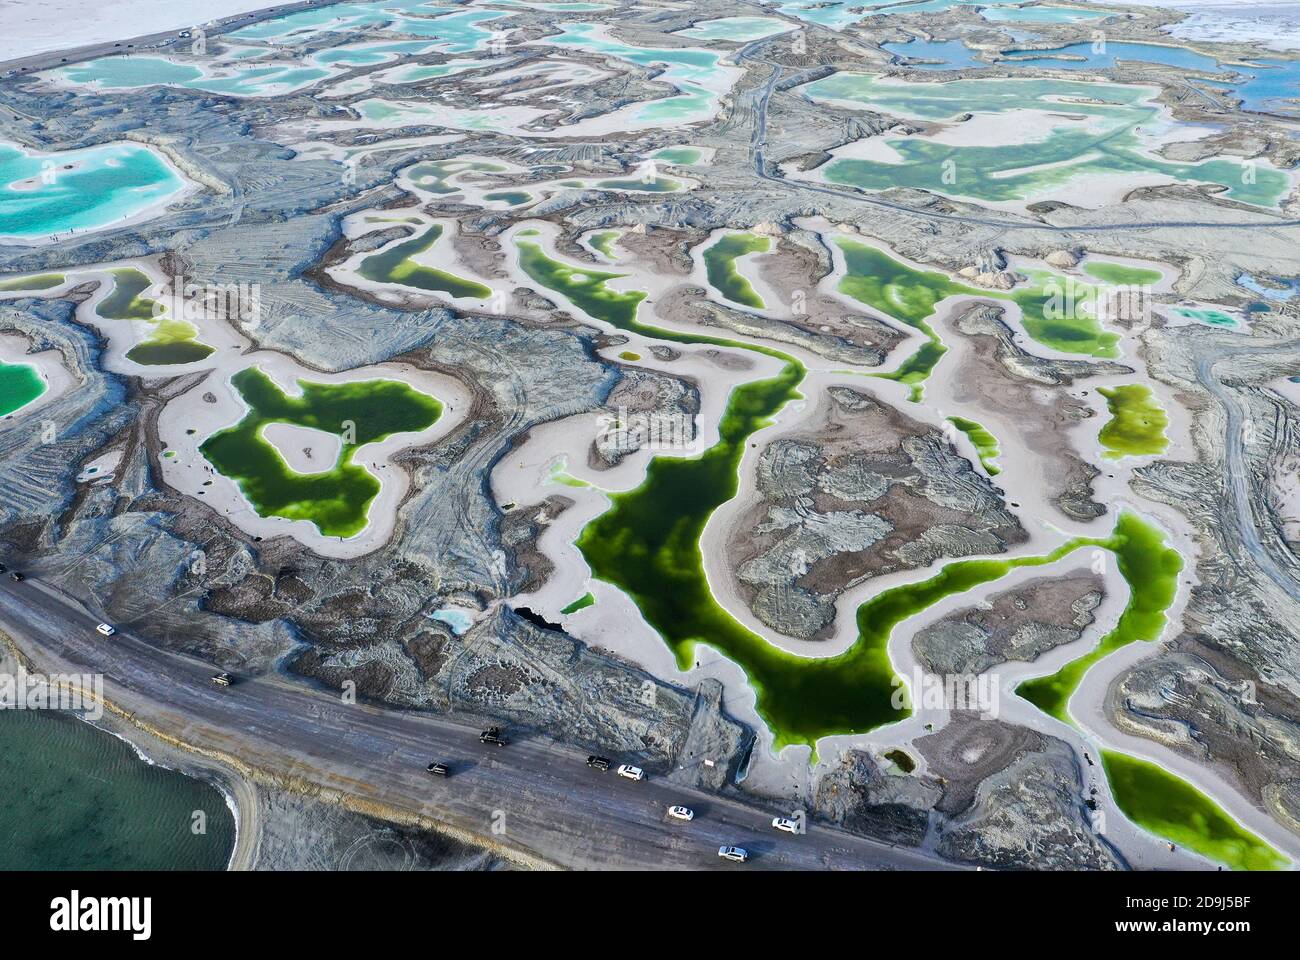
x: 786, y: 824
x: 681, y: 813
x: 222, y: 679
x: 438, y: 769
x: 630, y: 772
x: 107, y: 629
x: 493, y: 736
x: 734, y: 854
x: 598, y: 763
x: 17, y: 577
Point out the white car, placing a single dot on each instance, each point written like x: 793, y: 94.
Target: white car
x: 631, y: 772
x: 786, y: 824
x: 734, y: 854
x: 681, y: 813
x: 107, y: 629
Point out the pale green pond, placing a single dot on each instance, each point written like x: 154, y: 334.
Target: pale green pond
x: 1100, y: 136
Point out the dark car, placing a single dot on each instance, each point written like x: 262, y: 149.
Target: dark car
x: 438, y: 769
x: 17, y: 577
x: 598, y: 763
x: 493, y: 736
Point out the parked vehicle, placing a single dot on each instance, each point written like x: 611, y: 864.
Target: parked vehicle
x: 786, y: 824
x: 493, y: 736
x: 681, y: 813
x: 598, y: 763
x: 438, y: 769
x: 631, y: 772
x: 734, y: 854
x: 107, y: 629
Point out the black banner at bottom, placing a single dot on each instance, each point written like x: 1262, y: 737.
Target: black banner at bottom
x: 336, y: 910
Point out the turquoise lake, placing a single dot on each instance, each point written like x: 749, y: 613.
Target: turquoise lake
x: 44, y: 194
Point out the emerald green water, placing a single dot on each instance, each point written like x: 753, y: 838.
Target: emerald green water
x: 1107, y: 142
x: 584, y: 601
x: 42, y: 281
x: 604, y: 242
x: 720, y: 265
x: 1150, y: 568
x: 1211, y: 318
x: 1058, y: 312
x: 1137, y: 424
x: 20, y: 384
x: 648, y: 545
x: 170, y: 341
x: 338, y: 500
x: 986, y: 445
x: 681, y: 156
x: 436, y: 175
x: 397, y: 265
x: 1172, y: 808
x: 908, y: 295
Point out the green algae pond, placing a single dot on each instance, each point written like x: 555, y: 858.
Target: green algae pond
x: 1121, y: 274
x: 43, y: 281
x: 603, y: 242
x: 1058, y: 312
x: 1137, y: 425
x: 20, y: 384
x: 582, y: 603
x: 1169, y: 807
x: 1151, y: 569
x: 986, y: 445
x: 397, y: 265
x: 170, y: 341
x: 647, y: 544
x: 908, y: 295
x: 720, y: 265
x: 338, y: 500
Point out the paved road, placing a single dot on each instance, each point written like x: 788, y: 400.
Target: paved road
x: 540, y: 795
x: 55, y: 58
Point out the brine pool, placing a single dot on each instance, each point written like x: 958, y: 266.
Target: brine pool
x: 1102, y: 135
x: 20, y: 384
x: 45, y: 194
x: 336, y: 500
x: 659, y: 565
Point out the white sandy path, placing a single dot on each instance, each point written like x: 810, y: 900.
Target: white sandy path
x: 188, y: 470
